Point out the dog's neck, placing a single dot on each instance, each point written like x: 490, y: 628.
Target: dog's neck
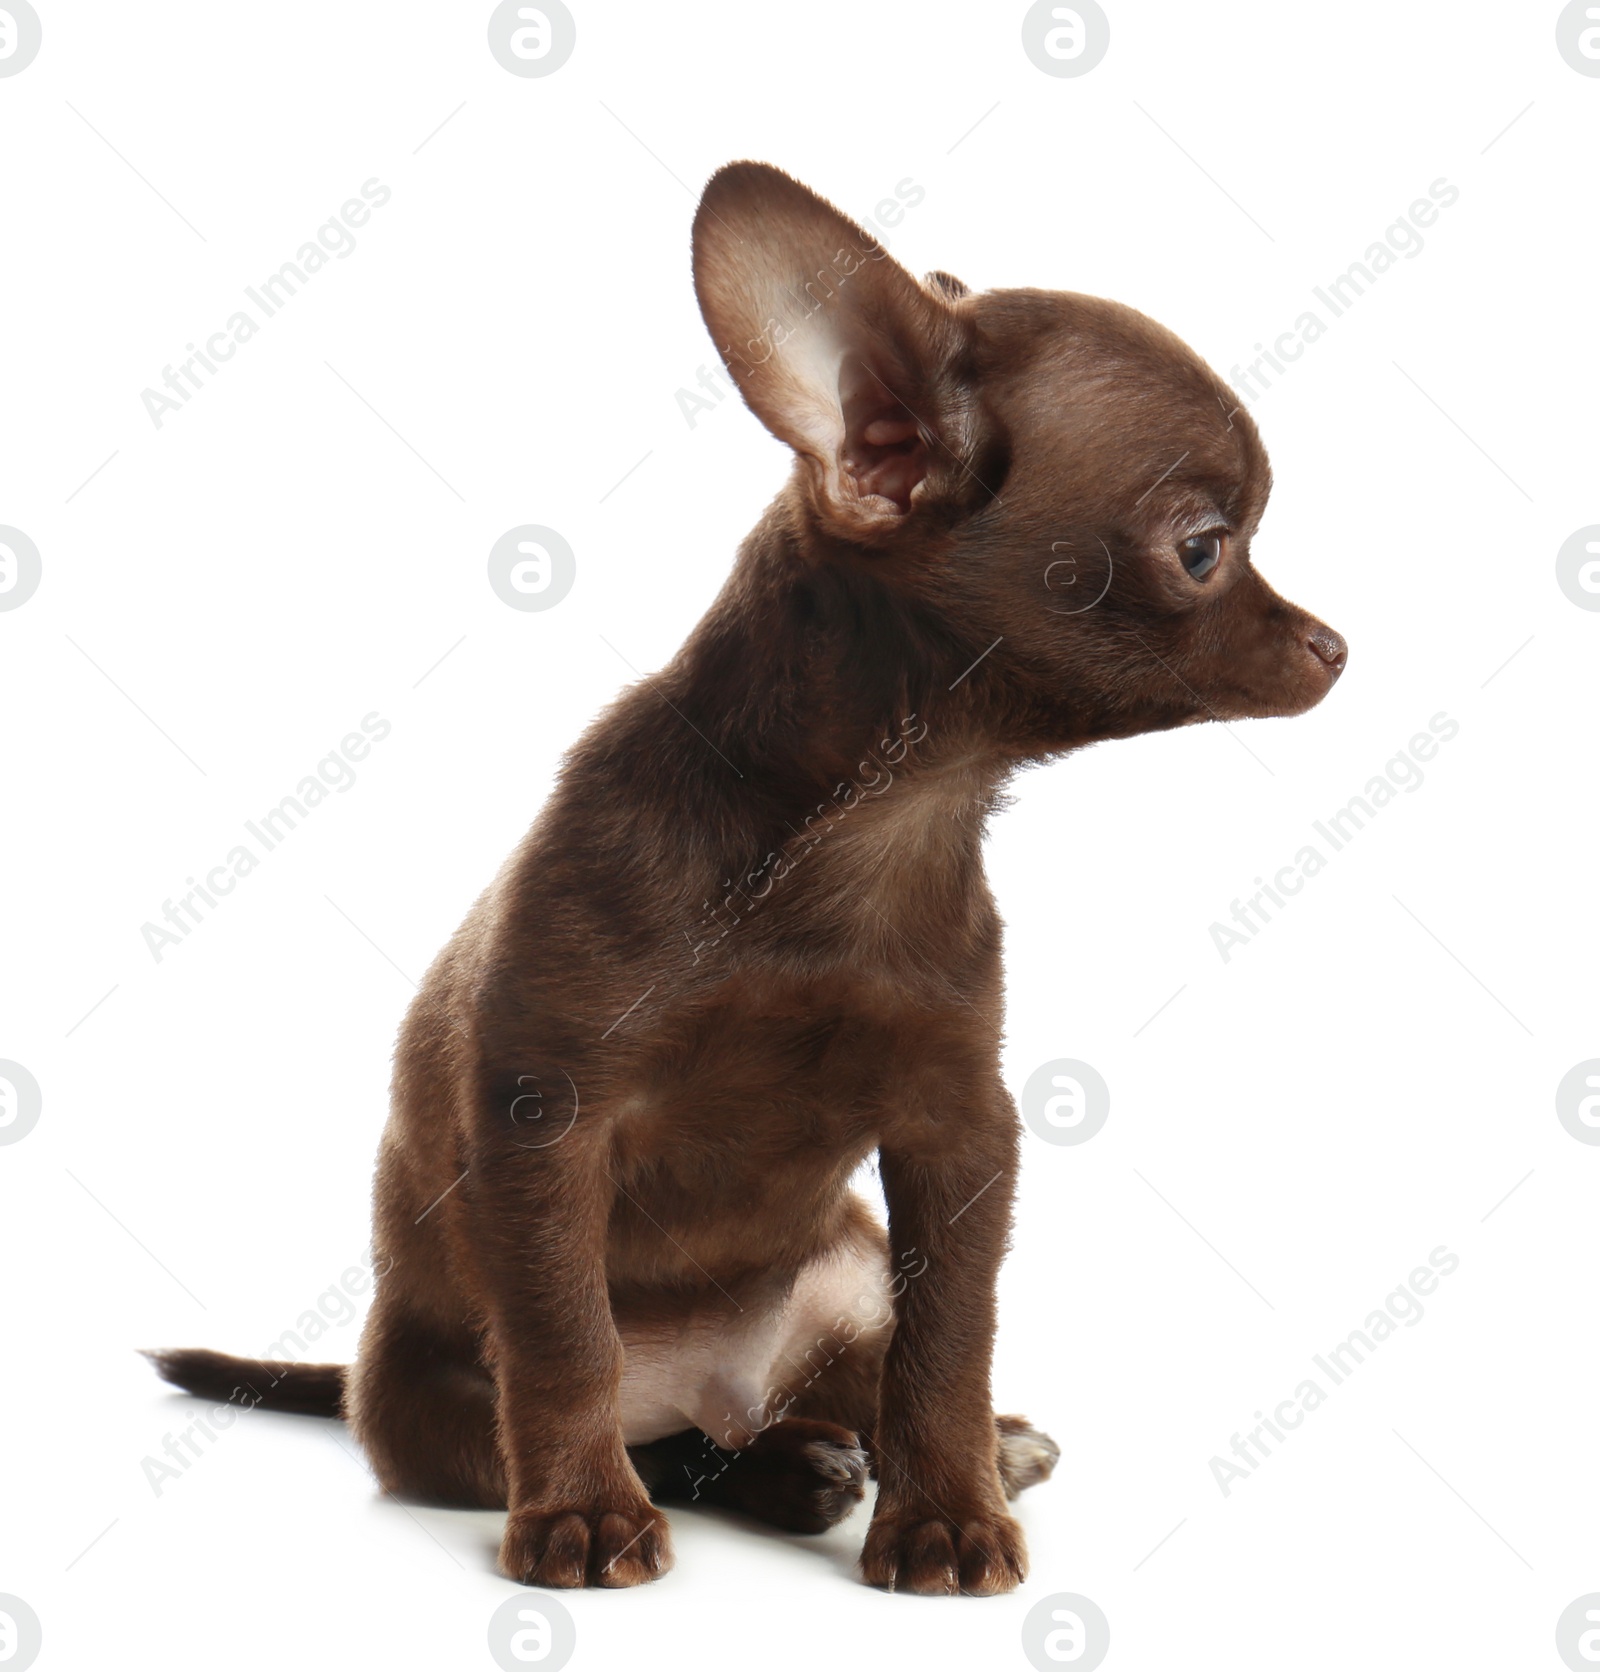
x: 821, y: 678
x: 855, y: 778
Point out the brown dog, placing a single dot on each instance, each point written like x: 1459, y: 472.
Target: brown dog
x: 749, y: 941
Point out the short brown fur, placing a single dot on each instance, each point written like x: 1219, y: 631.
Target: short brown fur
x: 748, y: 944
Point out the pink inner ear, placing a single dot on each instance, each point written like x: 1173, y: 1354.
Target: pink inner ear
x: 884, y: 451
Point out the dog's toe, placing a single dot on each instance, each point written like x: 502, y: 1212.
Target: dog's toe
x: 1026, y: 1456
x: 840, y: 1475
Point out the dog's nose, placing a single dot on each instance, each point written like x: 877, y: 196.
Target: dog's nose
x: 1330, y: 647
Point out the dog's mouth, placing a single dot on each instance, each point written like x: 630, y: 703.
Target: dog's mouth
x: 1244, y: 705
x: 1302, y: 676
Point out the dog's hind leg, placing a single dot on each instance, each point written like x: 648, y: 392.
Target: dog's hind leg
x: 418, y: 1401
x: 423, y: 1409
x: 846, y: 1392
x: 798, y: 1474
x: 1026, y: 1456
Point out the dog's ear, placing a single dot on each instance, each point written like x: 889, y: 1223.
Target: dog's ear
x: 837, y: 350
x: 947, y: 282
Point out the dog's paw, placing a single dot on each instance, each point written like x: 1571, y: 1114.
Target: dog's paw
x: 802, y: 1475
x: 982, y: 1555
x: 830, y: 1480
x: 596, y: 1545
x: 1026, y: 1456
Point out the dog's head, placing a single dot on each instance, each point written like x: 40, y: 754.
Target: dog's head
x: 1052, y: 474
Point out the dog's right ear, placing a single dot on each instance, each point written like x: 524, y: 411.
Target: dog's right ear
x: 838, y: 351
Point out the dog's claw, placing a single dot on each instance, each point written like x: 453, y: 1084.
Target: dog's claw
x: 981, y: 1555
x: 564, y: 1548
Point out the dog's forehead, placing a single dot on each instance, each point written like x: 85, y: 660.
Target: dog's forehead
x: 1089, y: 382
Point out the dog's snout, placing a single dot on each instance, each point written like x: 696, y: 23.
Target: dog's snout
x: 1330, y: 647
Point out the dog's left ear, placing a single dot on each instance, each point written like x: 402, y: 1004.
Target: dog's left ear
x: 838, y: 351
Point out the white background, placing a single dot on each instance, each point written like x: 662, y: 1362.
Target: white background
x: 1289, y: 1137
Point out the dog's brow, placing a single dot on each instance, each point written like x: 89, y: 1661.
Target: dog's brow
x: 1160, y: 479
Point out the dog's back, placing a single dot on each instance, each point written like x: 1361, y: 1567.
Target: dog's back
x: 749, y: 942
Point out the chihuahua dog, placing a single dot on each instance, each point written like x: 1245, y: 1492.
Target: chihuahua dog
x: 749, y: 944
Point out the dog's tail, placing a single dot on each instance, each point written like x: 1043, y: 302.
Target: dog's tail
x: 315, y: 1390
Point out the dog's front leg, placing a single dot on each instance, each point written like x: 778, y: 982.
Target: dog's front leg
x: 941, y: 1524
x: 579, y: 1514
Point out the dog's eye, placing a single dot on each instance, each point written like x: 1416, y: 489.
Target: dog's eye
x: 1201, y: 553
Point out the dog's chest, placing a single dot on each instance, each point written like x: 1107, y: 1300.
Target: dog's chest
x: 729, y: 1366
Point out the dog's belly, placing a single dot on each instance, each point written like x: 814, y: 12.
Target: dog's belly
x: 729, y: 1372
